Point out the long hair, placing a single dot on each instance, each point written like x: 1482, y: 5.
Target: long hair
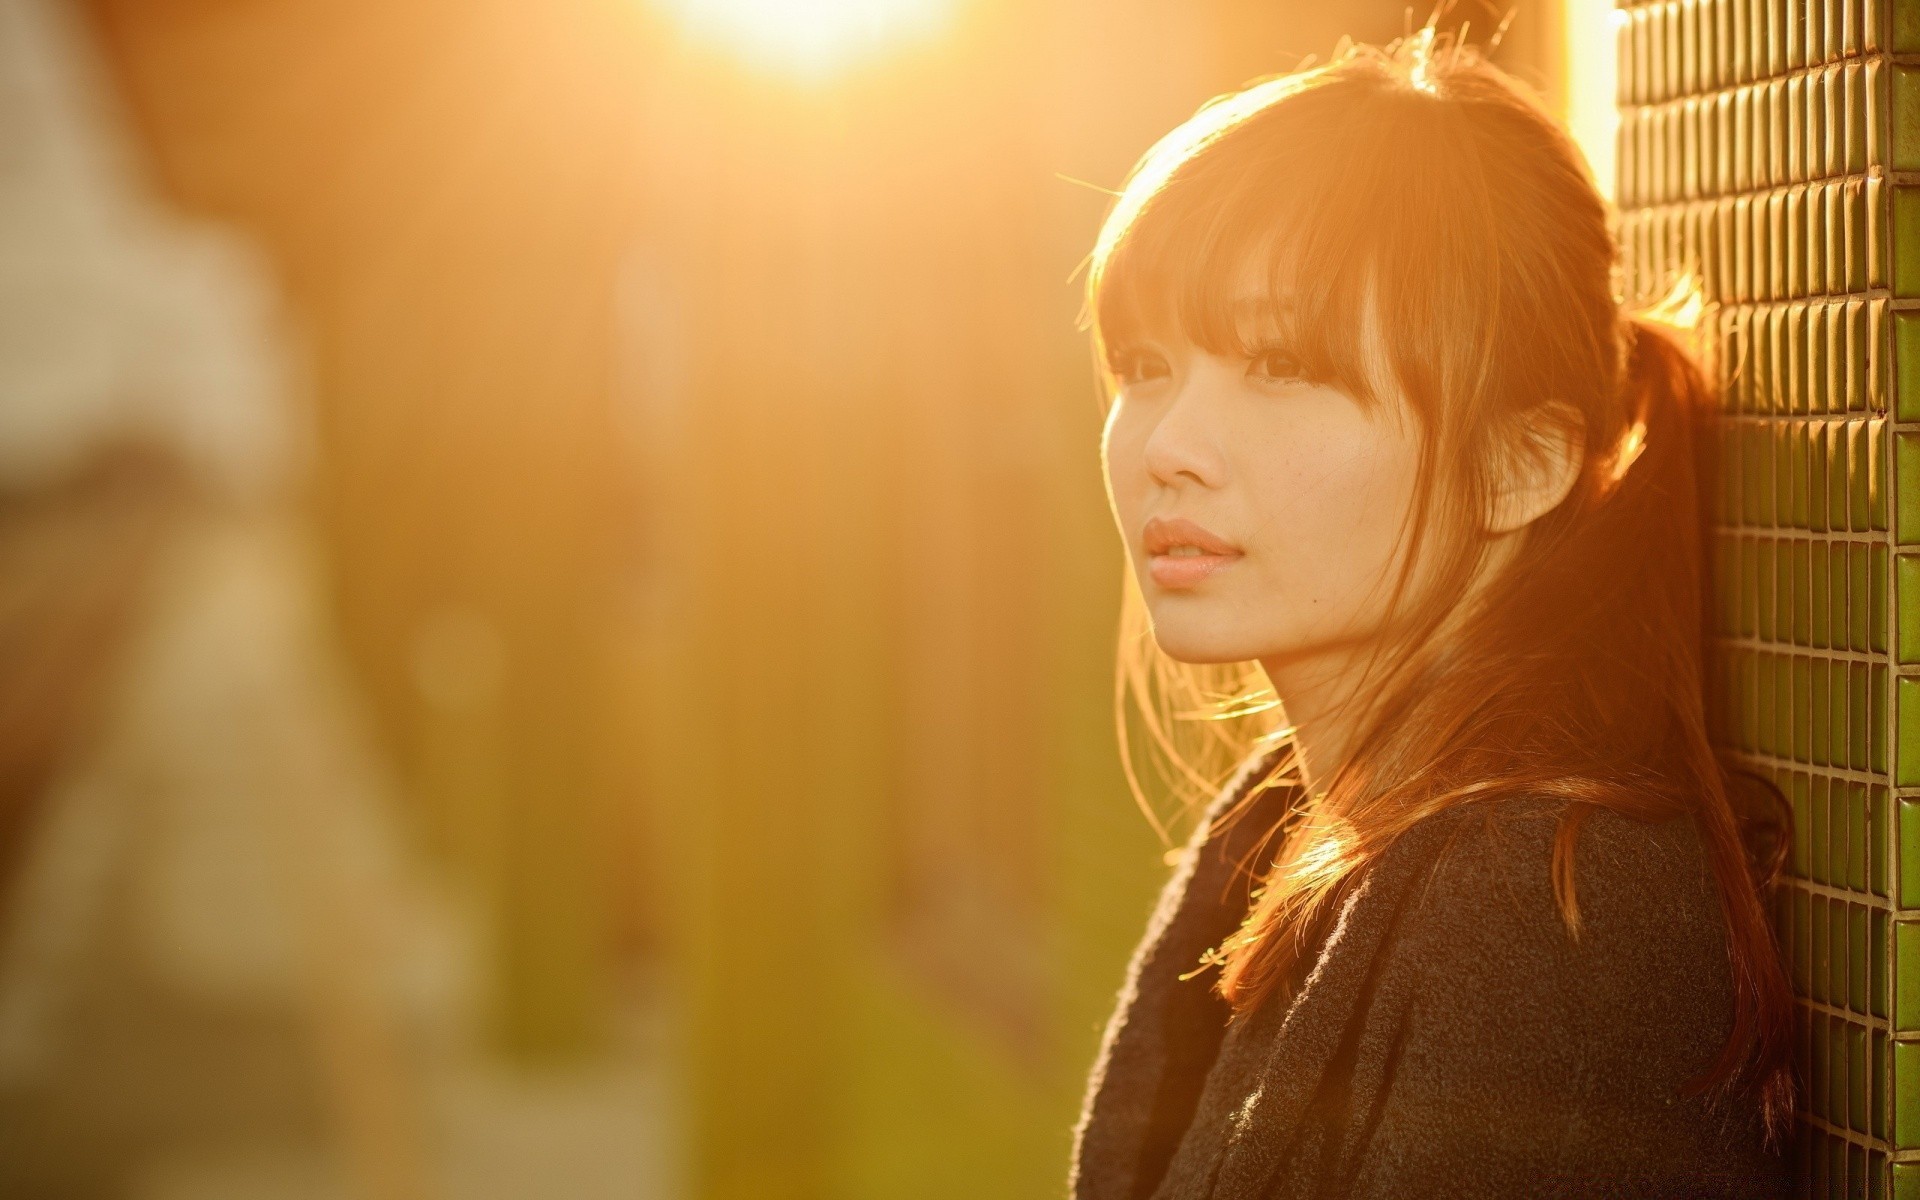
x: 1415, y: 204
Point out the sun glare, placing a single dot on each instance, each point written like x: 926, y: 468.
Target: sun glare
x: 1591, y: 27
x: 809, y: 38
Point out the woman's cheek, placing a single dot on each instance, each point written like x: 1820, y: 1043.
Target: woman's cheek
x: 1330, y: 529
x: 1125, y: 479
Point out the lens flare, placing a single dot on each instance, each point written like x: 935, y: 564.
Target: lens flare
x: 810, y: 39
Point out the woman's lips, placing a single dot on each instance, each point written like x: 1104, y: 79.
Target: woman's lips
x: 1163, y: 536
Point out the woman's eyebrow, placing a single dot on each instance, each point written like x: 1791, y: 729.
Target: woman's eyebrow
x: 1258, y: 316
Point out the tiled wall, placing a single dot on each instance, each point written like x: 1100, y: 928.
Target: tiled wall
x: 1774, y: 147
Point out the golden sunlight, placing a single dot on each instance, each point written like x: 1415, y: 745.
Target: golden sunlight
x: 1591, y: 29
x: 809, y: 38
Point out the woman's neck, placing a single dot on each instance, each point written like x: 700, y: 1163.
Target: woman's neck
x: 1316, y: 694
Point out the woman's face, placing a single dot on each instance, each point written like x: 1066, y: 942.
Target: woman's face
x: 1260, y: 510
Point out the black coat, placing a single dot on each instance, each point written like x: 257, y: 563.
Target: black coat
x: 1450, y: 1039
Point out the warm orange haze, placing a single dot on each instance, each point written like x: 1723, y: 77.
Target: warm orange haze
x: 559, y: 587
x: 814, y: 38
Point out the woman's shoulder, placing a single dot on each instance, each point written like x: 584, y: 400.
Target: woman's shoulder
x: 1643, y: 892
x: 1513, y: 838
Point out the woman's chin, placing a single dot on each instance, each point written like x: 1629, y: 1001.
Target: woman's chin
x: 1199, y: 647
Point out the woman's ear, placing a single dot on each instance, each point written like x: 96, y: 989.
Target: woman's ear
x: 1537, y: 468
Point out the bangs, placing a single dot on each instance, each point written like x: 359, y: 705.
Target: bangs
x: 1235, y: 274
x: 1269, y: 228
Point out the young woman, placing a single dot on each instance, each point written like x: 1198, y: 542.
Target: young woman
x: 1389, y: 457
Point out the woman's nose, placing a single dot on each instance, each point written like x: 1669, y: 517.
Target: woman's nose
x: 1183, y: 446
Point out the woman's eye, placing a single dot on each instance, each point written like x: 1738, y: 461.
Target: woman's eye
x: 1276, y: 364
x: 1136, y: 366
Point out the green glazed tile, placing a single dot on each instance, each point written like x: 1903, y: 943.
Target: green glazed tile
x: 1905, y: 270
x: 1819, y: 492
x: 1749, y: 587
x: 1763, y: 706
x: 1906, y: 364
x: 1859, y: 597
x: 1786, y: 704
x: 1803, y: 838
x: 1765, y: 582
x: 1878, y: 584
x: 1906, y: 1095
x: 1780, y: 490
x: 1881, y: 1053
x: 1877, y: 719
x: 1836, y: 385
x: 1906, y: 1181
x: 1877, y: 838
x: 1780, y: 921
x: 1736, y: 698
x: 1820, y: 608
x: 1839, y: 972
x: 1820, y: 1078
x: 1859, y: 347
x: 1802, y: 934
x: 1726, y: 584
x: 1858, y: 961
x: 1858, y: 245
x: 1859, y: 714
x: 1756, y: 468
x: 1794, y: 344
x: 1857, y: 1092
x: 1801, y: 715
x: 1877, y: 956
x: 1839, y: 1089
x: 1732, y: 476
x: 1837, y: 716
x: 1831, y: 795
x: 1877, y: 472
x: 1837, y: 610
x: 1906, y: 974
x: 1903, y: 29
x: 1906, y: 591
x: 1857, y: 711
x: 1904, y: 103
x: 1822, y: 958
x: 1802, y: 593
x: 1858, y: 499
x: 1906, y: 474
x: 1877, y: 354
x: 1817, y: 716
x: 1818, y: 396
x: 1910, y: 853
x: 1856, y: 809
x: 1907, y: 713
x: 1799, y: 475
x: 1820, y: 834
x: 1876, y: 79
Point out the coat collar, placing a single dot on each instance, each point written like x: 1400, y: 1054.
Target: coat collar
x: 1280, y: 1074
x: 1160, y: 1021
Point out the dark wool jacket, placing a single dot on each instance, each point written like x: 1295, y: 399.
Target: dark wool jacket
x: 1449, y: 1039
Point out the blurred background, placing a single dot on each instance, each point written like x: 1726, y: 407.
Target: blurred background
x: 556, y: 603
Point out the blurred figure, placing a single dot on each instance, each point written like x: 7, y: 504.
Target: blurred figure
x: 212, y: 948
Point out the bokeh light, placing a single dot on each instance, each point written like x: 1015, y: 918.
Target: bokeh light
x: 810, y: 39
